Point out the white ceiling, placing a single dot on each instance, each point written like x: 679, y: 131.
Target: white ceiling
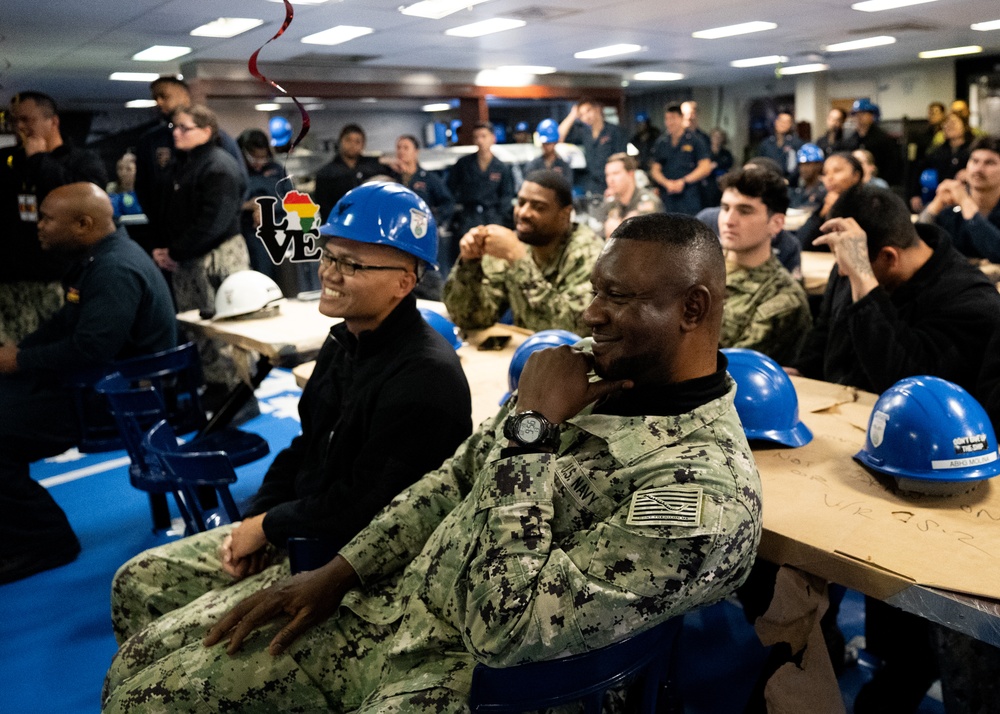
x: 69, y: 47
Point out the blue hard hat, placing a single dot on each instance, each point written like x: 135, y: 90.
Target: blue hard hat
x: 865, y: 105
x: 810, y: 153
x: 444, y: 327
x: 932, y: 436
x: 538, y: 341
x: 522, y: 126
x: 385, y: 214
x: 642, y: 116
x: 766, y: 400
x: 280, y: 130
x: 548, y: 131
x: 929, y: 179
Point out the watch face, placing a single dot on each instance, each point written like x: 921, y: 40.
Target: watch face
x: 529, y: 430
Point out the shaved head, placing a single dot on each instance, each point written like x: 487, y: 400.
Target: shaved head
x: 74, y: 217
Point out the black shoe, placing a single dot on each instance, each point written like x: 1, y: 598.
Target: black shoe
x: 17, y: 567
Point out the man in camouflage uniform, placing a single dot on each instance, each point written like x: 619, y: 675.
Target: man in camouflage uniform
x: 528, y: 544
x: 541, y: 272
x: 766, y: 308
x: 624, y: 199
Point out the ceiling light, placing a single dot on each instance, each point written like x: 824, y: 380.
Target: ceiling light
x: 283, y: 99
x: 134, y: 76
x: 985, y: 26
x: 950, y: 52
x: 802, y: 69
x: 336, y: 35
x: 861, y: 44
x: 368, y: 100
x: 226, y: 27
x: 879, y: 5
x: 160, y: 53
x: 140, y: 104
x: 302, y: 2
x: 439, y: 107
x: 658, y: 76
x: 267, y: 107
x: 436, y: 9
x: 744, y: 28
x: 486, y: 27
x: 503, y: 78
x: 609, y: 51
x: 758, y: 61
x: 527, y: 68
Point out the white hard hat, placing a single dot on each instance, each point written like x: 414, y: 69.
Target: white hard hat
x: 245, y: 292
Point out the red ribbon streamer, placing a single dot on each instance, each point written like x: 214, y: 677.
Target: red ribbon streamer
x: 252, y: 64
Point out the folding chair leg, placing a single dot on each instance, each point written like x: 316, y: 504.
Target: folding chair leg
x: 160, y: 511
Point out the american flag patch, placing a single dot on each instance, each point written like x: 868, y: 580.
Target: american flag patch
x: 666, y: 506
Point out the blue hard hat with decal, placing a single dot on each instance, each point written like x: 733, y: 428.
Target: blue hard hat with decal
x: 385, y: 214
x: 810, y: 153
x: 766, y: 400
x: 865, y: 105
x: 932, y: 436
x: 280, y: 130
x: 548, y: 131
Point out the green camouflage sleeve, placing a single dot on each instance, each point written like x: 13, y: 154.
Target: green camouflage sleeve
x: 529, y: 599
x: 398, y: 533
x: 778, y: 327
x: 474, y: 301
x: 539, y: 303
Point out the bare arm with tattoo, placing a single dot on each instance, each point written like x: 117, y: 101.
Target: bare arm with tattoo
x: 849, y: 243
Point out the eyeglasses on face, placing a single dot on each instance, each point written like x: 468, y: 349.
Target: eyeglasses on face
x: 348, y: 268
x: 182, y: 129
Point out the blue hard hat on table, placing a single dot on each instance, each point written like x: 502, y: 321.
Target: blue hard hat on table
x: 442, y: 325
x: 766, y: 400
x: 385, y: 214
x: 538, y: 341
x: 932, y: 436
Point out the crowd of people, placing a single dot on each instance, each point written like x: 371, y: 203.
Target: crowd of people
x: 522, y: 539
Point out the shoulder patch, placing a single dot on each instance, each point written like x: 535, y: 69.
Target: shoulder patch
x: 666, y: 506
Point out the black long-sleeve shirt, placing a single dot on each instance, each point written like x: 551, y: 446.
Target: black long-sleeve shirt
x: 204, y: 209
x: 379, y: 412
x: 35, y: 176
x: 936, y: 323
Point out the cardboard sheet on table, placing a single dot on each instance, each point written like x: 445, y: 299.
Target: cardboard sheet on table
x: 819, y: 496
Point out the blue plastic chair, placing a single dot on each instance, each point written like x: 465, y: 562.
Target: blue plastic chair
x: 174, y: 373
x: 644, y: 658
x: 191, y: 471
x: 137, y: 406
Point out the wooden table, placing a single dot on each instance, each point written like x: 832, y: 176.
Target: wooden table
x: 824, y: 513
x: 816, y: 269
x: 485, y: 370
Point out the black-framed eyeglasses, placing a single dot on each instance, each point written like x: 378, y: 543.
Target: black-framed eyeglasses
x: 349, y: 267
x: 183, y: 129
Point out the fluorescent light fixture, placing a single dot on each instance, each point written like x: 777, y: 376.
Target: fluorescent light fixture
x: 503, y: 78
x: 950, y: 52
x: 140, y: 104
x: 282, y: 99
x: 879, y: 5
x: 744, y: 28
x: 486, y: 27
x: 861, y: 44
x: 609, y: 51
x: 658, y: 76
x: 161, y: 53
x: 337, y: 35
x: 267, y: 107
x: 986, y: 26
x: 803, y: 69
x: 368, y: 100
x: 758, y: 61
x: 302, y: 2
x: 527, y: 69
x: 226, y: 27
x: 439, y: 107
x: 436, y: 9
x: 134, y: 76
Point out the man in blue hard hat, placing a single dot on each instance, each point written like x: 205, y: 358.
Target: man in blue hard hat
x: 809, y: 191
x: 869, y: 135
x: 548, y: 135
x: 387, y: 402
